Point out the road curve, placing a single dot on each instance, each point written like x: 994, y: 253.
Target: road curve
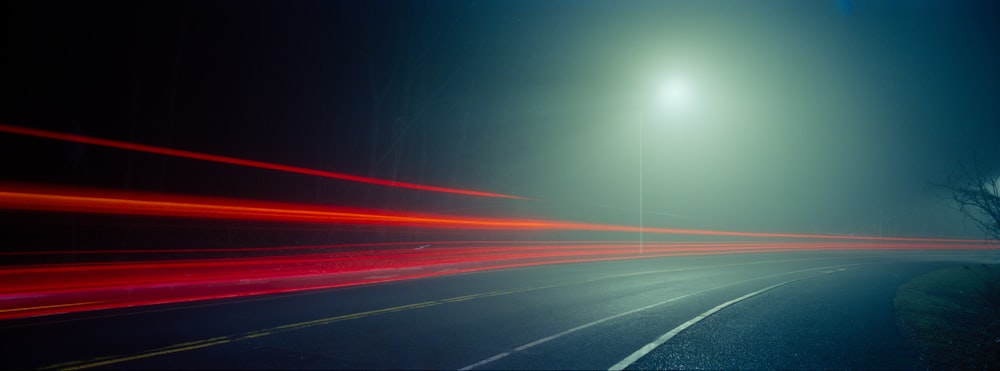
x: 810, y: 309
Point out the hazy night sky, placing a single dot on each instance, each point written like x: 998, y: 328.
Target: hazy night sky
x: 802, y: 116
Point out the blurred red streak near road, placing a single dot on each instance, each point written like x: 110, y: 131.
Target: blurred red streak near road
x: 242, y: 162
x: 27, y: 291
x: 82, y: 200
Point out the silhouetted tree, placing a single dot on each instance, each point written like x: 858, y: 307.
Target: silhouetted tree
x: 977, y: 195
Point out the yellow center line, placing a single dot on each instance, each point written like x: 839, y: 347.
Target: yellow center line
x: 104, y: 361
x: 182, y: 347
x: 48, y: 306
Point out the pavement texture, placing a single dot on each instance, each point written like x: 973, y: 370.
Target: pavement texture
x: 809, y: 310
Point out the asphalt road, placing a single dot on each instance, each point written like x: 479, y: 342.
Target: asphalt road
x: 810, y: 309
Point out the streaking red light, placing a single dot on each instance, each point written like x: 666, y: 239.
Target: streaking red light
x: 242, y: 162
x: 61, y: 288
x: 81, y: 200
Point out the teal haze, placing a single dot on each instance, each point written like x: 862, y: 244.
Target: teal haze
x: 832, y: 117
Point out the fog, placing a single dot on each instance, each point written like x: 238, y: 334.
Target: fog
x: 833, y: 117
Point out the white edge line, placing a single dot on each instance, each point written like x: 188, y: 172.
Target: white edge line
x: 621, y: 365
x: 713, y: 310
x: 485, y: 361
x: 572, y: 330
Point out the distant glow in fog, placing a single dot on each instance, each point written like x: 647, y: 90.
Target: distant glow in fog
x: 676, y: 95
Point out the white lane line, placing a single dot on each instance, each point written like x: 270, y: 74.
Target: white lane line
x: 602, y: 320
x: 485, y: 361
x: 572, y: 330
x: 670, y: 334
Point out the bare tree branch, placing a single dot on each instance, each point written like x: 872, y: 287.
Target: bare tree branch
x: 977, y: 196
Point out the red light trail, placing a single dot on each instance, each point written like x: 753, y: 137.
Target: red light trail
x: 242, y: 162
x: 45, y: 289
x: 50, y: 289
x: 82, y: 200
x: 60, y: 288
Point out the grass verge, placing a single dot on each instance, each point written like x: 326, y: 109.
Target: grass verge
x: 952, y: 316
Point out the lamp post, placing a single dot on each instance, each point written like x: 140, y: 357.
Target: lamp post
x: 675, y: 95
x: 641, y: 224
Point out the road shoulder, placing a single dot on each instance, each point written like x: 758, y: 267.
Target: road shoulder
x: 952, y: 316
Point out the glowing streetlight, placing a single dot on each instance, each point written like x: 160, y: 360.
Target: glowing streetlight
x: 676, y: 94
